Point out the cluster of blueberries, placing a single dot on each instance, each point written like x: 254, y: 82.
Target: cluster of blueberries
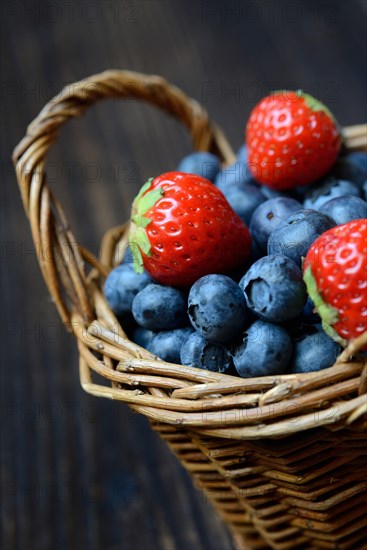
x: 258, y: 321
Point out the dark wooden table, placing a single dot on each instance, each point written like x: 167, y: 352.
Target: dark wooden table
x: 79, y: 472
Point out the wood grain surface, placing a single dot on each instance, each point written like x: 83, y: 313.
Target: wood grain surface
x: 78, y: 472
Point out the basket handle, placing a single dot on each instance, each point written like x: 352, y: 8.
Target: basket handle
x: 60, y: 259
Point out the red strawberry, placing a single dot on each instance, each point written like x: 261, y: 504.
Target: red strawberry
x: 184, y: 228
x: 335, y: 272
x: 292, y: 140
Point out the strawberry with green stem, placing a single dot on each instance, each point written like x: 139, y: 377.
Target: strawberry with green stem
x: 292, y: 138
x: 335, y: 273
x: 182, y: 228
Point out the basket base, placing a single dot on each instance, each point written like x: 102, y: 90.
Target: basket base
x: 307, y: 492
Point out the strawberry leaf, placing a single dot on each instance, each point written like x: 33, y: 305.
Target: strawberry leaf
x: 143, y: 202
x: 139, y: 243
x: 144, y: 188
x: 147, y: 202
x: 328, y: 313
x: 333, y: 334
x: 137, y: 257
x: 141, y: 239
x: 140, y: 221
x: 138, y: 239
x: 315, y: 105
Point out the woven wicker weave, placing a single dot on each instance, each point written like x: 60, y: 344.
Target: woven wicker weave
x: 282, y: 457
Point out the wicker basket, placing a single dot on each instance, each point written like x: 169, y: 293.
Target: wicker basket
x: 282, y: 458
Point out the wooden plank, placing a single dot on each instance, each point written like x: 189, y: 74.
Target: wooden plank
x: 77, y: 472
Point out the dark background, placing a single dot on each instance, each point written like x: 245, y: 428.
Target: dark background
x: 78, y: 472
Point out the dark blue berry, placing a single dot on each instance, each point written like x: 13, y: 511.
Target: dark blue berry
x: 328, y: 189
x: 302, y: 190
x: 299, y: 327
x: 309, y: 313
x: 198, y: 352
x: 242, y: 154
x: 202, y: 164
x: 255, y: 255
x: 265, y: 350
x: 273, y: 193
x: 346, y: 169
x: 167, y: 344
x: 159, y: 307
x: 217, y: 308
x: 274, y: 289
x: 233, y: 176
x: 142, y: 336
x: 294, y: 235
x: 268, y: 215
x: 244, y: 200
x: 345, y: 209
x: 314, y: 350
x: 358, y: 158
x: 121, y: 287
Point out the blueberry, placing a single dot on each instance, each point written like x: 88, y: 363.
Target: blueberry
x: 265, y: 350
x: 202, y: 164
x: 242, y: 154
x: 159, y: 307
x: 358, y: 158
x: 244, y: 200
x: 269, y: 193
x: 268, y: 215
x: 345, y: 209
x: 217, y: 308
x: 233, y: 176
x: 167, y: 344
x: 256, y: 254
x: 198, y: 352
x: 142, y: 336
x: 327, y: 189
x: 274, y: 289
x: 365, y: 190
x: 302, y: 190
x: 313, y: 351
x: 309, y: 314
x: 121, y: 287
x: 294, y: 235
x: 346, y: 169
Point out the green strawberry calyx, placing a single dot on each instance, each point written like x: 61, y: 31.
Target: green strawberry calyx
x: 138, y: 238
x: 329, y: 314
x: 315, y: 105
